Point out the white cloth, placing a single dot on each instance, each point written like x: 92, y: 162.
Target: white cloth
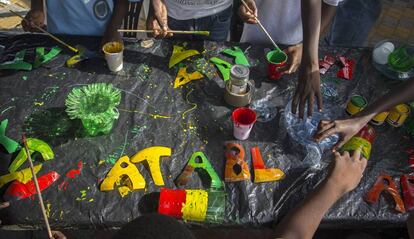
x: 281, y: 18
x: 193, y: 9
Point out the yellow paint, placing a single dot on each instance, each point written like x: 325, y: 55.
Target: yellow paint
x: 153, y: 155
x: 123, y: 172
x: 193, y: 104
x: 380, y: 118
x: 195, y: 206
x: 183, y: 77
x: 398, y: 115
x: 268, y: 175
x: 101, y: 162
x: 124, y: 190
x: 39, y: 103
x: 155, y: 116
x: 179, y: 54
x: 48, y: 207
x: 113, y: 47
x: 22, y: 176
x: 91, y: 200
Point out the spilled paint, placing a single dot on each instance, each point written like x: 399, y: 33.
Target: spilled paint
x: 74, y: 172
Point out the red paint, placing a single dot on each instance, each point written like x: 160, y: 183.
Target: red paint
x: 379, y: 187
x: 407, y: 187
x: 347, y: 71
x: 18, y: 190
x: 74, y: 172
x: 409, y: 151
x: 244, y: 116
x: 63, y: 185
x: 171, y: 202
x: 257, y: 159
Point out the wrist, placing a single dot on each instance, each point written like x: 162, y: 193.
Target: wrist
x: 335, y: 187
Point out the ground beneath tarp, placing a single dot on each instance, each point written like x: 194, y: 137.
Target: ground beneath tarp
x: 188, y: 119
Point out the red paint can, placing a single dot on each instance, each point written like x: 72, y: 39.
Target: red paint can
x: 275, y: 60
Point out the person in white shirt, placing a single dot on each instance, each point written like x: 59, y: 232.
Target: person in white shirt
x: 187, y: 15
x: 296, y: 23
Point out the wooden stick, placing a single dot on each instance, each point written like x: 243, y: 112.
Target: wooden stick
x: 260, y: 25
x: 205, y: 33
x: 46, y: 32
x: 42, y: 206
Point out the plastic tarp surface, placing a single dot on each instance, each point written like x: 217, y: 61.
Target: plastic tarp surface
x: 187, y: 119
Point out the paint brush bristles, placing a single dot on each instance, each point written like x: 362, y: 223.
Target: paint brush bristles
x: 42, y: 206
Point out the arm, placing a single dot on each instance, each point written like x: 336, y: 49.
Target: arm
x: 35, y: 17
x: 118, y: 15
x: 328, y: 12
x: 349, y: 127
x: 309, y: 79
x: 157, y: 19
x: 345, y: 175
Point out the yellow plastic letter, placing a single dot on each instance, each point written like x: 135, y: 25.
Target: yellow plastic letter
x: 123, y: 173
x: 153, y: 155
x: 22, y: 176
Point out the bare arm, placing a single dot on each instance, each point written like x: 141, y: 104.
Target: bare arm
x: 349, y: 127
x: 308, y: 88
x: 118, y: 15
x: 304, y: 220
x: 328, y: 12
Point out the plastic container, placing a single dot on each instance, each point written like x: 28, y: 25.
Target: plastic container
x: 243, y: 121
x: 275, y: 60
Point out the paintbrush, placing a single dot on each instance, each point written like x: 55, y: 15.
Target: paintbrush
x: 204, y: 33
x: 47, y: 33
x: 260, y: 25
x: 42, y: 206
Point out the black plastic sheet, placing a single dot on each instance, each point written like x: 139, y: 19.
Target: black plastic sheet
x: 188, y: 119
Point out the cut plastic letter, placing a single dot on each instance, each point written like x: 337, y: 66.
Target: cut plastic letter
x: 199, y: 161
x: 153, y: 155
x: 407, y: 187
x: 183, y: 77
x: 261, y: 173
x: 123, y: 173
x: 22, y: 176
x: 179, y: 54
x: 223, y: 66
x: 9, y: 144
x: 380, y: 186
x: 34, y: 145
x: 238, y: 54
x: 236, y: 168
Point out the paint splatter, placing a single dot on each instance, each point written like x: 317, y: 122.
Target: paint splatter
x: 193, y: 104
x: 39, y: 103
x: 24, y: 78
x: 155, y: 116
x: 74, y: 172
x: 48, y: 207
x: 83, y: 196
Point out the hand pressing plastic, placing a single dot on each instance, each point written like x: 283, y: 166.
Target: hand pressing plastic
x: 347, y: 171
x: 158, y: 19
x: 345, y: 128
x: 308, y: 90
x: 33, y: 18
x: 294, y: 54
x: 246, y: 15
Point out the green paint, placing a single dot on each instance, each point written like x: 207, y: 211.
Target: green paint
x: 24, y: 78
x: 359, y: 101
x: 10, y: 145
x: 17, y: 63
x: 238, y: 54
x: 276, y: 57
x: 216, y: 206
x: 34, y: 145
x: 223, y: 66
x: 401, y: 60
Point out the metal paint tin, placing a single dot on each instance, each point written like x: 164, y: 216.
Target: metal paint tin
x: 380, y: 118
x: 356, y: 104
x: 362, y: 140
x: 398, y: 115
x: 239, y: 76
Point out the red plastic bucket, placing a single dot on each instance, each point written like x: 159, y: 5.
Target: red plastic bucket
x: 243, y: 121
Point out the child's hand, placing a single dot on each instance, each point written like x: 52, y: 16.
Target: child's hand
x: 33, y: 18
x: 58, y: 235
x: 294, y: 54
x: 157, y: 19
x: 345, y: 128
x: 246, y: 15
x: 347, y: 171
